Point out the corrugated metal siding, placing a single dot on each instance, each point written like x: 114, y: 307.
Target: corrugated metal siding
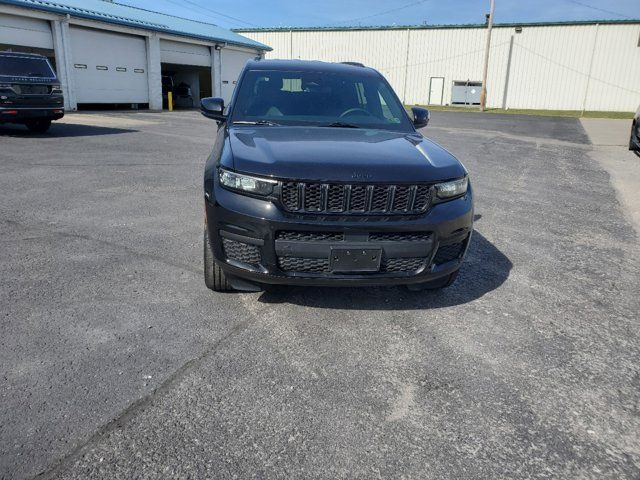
x: 279, y: 41
x: 30, y: 32
x: 615, y: 77
x: 375, y: 49
x: 544, y: 67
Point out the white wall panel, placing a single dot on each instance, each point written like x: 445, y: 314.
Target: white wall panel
x: 615, y: 76
x: 28, y: 32
x: 181, y: 53
x: 559, y: 67
x: 109, y: 67
x: 233, y: 61
x: 280, y: 42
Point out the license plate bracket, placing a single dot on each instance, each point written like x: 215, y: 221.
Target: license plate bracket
x: 354, y: 260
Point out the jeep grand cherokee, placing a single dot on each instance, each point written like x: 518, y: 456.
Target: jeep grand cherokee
x: 30, y: 92
x: 319, y: 177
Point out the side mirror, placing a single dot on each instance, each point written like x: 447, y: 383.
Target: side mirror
x: 213, y: 108
x: 420, y: 117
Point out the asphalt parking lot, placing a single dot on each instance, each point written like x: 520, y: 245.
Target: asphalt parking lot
x: 117, y: 362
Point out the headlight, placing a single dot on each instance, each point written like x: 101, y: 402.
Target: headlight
x: 455, y: 188
x: 246, y: 183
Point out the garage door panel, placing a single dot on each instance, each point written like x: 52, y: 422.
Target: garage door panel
x: 30, y: 32
x: 109, y: 67
x: 233, y: 61
x: 180, y: 53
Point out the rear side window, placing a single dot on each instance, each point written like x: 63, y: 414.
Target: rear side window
x: 25, y: 67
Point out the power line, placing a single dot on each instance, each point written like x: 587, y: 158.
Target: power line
x: 444, y: 59
x: 189, y: 2
x: 393, y: 10
x: 165, y: 13
x: 586, y: 5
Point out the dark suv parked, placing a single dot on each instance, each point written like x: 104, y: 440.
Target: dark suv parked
x: 30, y: 93
x: 319, y: 177
x: 634, y: 140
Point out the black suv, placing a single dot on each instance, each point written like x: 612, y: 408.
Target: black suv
x: 30, y: 92
x: 319, y: 177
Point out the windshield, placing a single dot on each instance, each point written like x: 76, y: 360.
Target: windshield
x: 25, y: 67
x: 318, y: 98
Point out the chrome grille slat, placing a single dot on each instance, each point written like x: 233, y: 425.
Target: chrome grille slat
x: 355, y: 199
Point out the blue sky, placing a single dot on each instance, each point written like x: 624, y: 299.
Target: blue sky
x: 284, y: 13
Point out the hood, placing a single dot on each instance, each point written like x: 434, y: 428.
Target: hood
x: 340, y: 154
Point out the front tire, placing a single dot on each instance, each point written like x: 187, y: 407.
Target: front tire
x: 438, y: 284
x: 214, y: 277
x: 38, y: 126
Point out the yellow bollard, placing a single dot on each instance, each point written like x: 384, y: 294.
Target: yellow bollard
x: 170, y: 101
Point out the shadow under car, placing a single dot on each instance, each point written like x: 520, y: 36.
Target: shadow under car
x: 485, y: 268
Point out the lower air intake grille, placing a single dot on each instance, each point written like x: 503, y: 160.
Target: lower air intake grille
x: 303, y: 265
x: 321, y: 265
x: 339, y: 236
x: 310, y: 236
x: 446, y: 253
x: 399, y: 237
x: 403, y: 265
x: 241, y: 252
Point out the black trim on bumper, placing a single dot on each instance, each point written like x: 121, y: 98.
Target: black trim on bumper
x: 26, y: 114
x: 256, y: 222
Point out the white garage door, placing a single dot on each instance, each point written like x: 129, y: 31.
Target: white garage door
x: 233, y: 62
x: 109, y: 67
x: 180, y: 53
x: 29, y: 32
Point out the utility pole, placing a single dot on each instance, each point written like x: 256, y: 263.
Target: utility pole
x: 483, y: 94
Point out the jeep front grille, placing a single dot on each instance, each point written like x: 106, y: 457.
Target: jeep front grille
x: 355, y: 199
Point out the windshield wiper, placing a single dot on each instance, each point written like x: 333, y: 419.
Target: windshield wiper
x: 256, y: 122
x: 341, y: 125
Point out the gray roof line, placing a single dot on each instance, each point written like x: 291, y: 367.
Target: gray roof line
x: 442, y: 26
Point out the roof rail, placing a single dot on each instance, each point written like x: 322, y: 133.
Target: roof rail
x: 355, y: 64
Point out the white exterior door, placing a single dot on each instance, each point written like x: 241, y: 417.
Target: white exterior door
x: 436, y: 89
x: 233, y: 61
x: 23, y: 31
x: 109, y: 67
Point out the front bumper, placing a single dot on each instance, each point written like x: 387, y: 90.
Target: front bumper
x: 254, y: 241
x: 22, y: 114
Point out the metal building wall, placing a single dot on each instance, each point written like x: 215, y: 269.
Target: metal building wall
x: 559, y: 67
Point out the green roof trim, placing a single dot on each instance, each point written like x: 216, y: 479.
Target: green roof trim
x: 440, y: 27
